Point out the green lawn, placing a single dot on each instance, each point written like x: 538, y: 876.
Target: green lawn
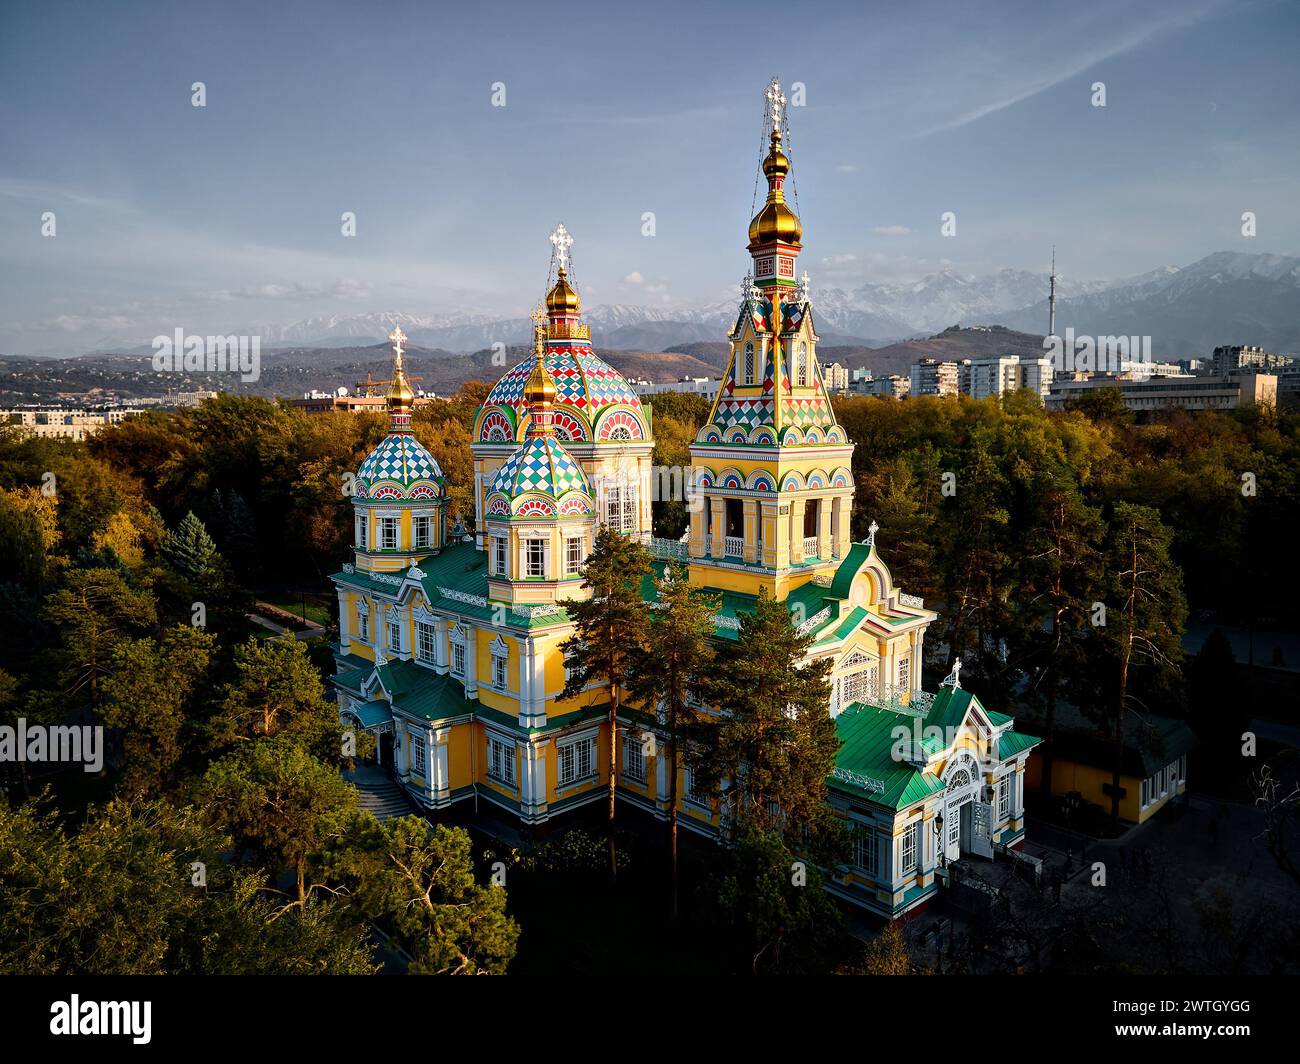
x: 314, y: 610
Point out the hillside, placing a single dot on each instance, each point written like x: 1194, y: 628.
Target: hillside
x: 290, y: 372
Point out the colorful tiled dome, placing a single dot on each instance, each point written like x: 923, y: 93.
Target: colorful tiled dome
x: 399, y: 468
x: 593, y: 402
x: 540, y: 479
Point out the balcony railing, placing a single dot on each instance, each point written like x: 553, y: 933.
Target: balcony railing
x: 733, y: 546
x: 810, y: 547
x: 666, y: 549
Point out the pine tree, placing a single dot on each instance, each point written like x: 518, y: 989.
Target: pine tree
x: 773, y: 742
x: 1147, y: 624
x: 190, y: 551
x: 609, y: 632
x: 1061, y: 581
x: 677, y: 657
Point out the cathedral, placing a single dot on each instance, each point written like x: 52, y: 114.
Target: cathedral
x: 449, y: 640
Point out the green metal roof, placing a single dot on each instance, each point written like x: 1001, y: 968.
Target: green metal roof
x: 1011, y: 743
x: 372, y: 713
x: 868, y: 735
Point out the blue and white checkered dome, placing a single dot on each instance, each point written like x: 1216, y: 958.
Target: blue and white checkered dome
x: 540, y: 479
x: 400, y: 468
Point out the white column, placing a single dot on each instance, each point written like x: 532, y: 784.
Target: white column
x: 471, y: 661
x: 439, y: 776
x: 345, y: 625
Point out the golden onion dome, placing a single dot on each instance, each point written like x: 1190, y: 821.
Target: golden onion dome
x: 540, y: 386
x: 563, y: 298
x: 775, y: 220
x: 400, y: 393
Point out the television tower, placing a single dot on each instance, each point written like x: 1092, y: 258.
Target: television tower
x: 1051, y: 298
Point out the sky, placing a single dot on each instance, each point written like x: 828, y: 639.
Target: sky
x: 221, y: 217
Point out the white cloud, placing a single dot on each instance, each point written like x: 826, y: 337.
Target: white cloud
x: 634, y: 278
x: 891, y: 230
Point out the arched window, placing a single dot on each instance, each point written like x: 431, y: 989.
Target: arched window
x: 748, y: 377
x: 801, y: 363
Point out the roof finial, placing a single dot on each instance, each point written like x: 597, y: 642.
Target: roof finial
x: 872, y: 529
x: 398, y: 338
x: 561, y: 241
x: 775, y: 104
x: 953, y: 679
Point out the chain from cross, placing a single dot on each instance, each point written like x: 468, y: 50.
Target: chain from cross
x: 561, y: 241
x: 776, y: 103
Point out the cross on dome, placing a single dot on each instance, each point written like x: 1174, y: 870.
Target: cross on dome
x: 805, y: 286
x: 775, y: 103
x: 398, y: 338
x: 871, y: 533
x: 561, y: 241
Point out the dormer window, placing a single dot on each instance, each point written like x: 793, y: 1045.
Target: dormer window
x: 748, y: 377
x: 801, y: 363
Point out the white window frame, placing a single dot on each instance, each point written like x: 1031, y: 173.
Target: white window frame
x: 426, y: 639
x: 363, y: 531
x: 801, y: 364
x: 909, y: 855
x: 500, y: 672
x: 500, y: 555
x: 388, y: 524
x: 501, y: 760
x: 570, y: 756
x: 1005, y: 785
x: 422, y: 530
x: 693, y: 795
x: 633, y: 759
x: 363, y: 622
x: 905, y: 673
x: 459, y: 654
x: 418, y: 763
x: 572, y: 555
x: 394, y: 631
x: 866, y: 853
x: 749, y: 361
x: 535, y: 543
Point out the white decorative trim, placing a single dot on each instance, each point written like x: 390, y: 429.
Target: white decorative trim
x: 867, y: 783
x: 463, y: 596
x: 386, y: 578
x: 414, y: 573
x: 541, y: 609
x: 815, y: 621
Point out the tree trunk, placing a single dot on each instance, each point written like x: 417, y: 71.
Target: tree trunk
x: 1125, y: 658
x: 613, y: 772
x: 672, y: 805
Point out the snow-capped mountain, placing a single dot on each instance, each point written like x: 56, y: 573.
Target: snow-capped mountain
x: 1226, y: 297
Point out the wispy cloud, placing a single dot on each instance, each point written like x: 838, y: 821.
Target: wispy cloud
x: 1063, y: 66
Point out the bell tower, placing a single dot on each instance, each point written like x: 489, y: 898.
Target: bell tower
x: 774, y: 487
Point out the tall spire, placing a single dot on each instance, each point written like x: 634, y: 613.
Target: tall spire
x: 775, y: 232
x: 400, y: 396
x: 540, y: 390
